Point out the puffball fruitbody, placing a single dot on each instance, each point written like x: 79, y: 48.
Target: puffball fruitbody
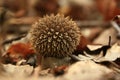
x: 55, y: 36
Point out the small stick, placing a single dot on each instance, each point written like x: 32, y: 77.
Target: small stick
x: 24, y: 20
x: 74, y: 57
x: 92, y: 23
x: 14, y: 39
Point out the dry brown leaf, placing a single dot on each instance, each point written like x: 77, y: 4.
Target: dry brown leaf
x: 112, y: 54
x: 94, y: 52
x: 86, y: 70
x: 59, y: 70
x: 82, y: 57
x: 20, y: 48
x: 83, y: 43
x: 110, y: 58
x: 94, y: 47
x: 23, y: 71
x: 18, y: 51
x: 104, y: 37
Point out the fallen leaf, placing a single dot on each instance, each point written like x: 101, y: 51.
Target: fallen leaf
x: 113, y: 53
x: 25, y: 70
x: 86, y: 70
x: 103, y: 38
x: 94, y: 47
x: 19, y: 51
x: 59, y: 70
x: 83, y: 43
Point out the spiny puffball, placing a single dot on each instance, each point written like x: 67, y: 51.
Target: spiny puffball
x: 55, y: 36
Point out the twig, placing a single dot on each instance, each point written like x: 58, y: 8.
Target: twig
x: 109, y: 43
x: 74, y: 57
x: 24, y: 20
x: 93, y: 23
x: 14, y: 39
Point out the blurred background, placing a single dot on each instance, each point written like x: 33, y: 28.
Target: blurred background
x: 92, y: 16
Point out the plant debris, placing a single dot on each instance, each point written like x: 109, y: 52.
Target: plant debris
x: 60, y: 39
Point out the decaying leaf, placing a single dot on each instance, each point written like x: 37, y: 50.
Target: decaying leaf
x: 25, y: 70
x: 18, y: 51
x: 110, y: 58
x: 82, y: 57
x: 59, y: 70
x: 93, y: 58
x: 94, y: 47
x: 103, y: 38
x: 83, y: 43
x: 86, y: 70
x: 112, y: 54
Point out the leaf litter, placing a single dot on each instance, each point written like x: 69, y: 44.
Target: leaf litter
x: 92, y: 59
